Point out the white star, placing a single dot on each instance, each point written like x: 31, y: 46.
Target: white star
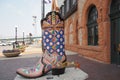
x: 47, y: 40
x: 48, y: 47
x: 50, y: 36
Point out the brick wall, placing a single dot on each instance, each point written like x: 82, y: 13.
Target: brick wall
x: 76, y: 30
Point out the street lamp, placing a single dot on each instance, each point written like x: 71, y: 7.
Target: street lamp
x: 42, y: 8
x: 23, y: 39
x: 34, y: 24
x: 16, y: 34
x: 15, y: 44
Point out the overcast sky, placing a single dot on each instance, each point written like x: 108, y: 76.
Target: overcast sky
x: 18, y: 13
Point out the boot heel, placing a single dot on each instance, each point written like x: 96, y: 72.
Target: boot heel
x: 58, y: 71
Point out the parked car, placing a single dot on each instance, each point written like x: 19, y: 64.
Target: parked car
x: 3, y: 44
x: 9, y: 43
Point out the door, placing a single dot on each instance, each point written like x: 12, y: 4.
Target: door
x: 115, y: 40
x: 115, y: 31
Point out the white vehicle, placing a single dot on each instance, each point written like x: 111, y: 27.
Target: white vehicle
x: 8, y: 43
x: 3, y: 44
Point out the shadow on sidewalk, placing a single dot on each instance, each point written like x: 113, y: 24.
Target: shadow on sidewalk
x: 95, y: 70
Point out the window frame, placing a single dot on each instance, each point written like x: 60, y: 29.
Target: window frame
x: 62, y: 11
x: 67, y: 3
x: 92, y: 26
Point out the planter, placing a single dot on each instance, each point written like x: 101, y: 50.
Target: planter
x: 11, y: 53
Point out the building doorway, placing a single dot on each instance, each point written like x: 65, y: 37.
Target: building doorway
x: 115, y: 31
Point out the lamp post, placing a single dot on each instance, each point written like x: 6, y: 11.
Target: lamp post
x: 34, y: 24
x: 23, y: 39
x: 16, y: 35
x: 42, y: 8
x: 15, y: 43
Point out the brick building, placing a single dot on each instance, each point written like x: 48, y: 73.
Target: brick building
x: 92, y: 28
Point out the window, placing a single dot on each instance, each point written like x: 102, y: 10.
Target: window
x: 60, y: 10
x: 67, y: 5
x: 74, y: 2
x: 63, y: 10
x: 70, y: 6
x: 92, y: 26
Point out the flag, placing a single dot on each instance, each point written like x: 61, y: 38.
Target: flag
x: 47, y: 1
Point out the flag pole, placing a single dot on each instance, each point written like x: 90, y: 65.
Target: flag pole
x: 43, y: 9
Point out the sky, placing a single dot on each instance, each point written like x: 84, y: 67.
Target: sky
x: 19, y: 13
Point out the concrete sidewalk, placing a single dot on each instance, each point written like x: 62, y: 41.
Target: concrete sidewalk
x: 95, y: 70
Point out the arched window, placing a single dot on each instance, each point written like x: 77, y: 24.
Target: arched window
x: 92, y: 26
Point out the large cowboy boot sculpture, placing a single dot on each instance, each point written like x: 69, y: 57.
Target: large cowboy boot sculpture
x: 54, y: 57
x: 54, y: 54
